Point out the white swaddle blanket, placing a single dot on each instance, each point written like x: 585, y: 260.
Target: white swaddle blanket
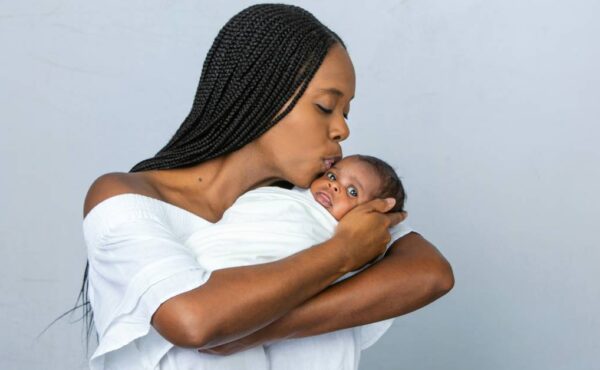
x: 263, y: 225
x: 267, y: 224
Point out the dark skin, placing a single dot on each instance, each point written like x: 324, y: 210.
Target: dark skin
x: 337, y: 307
x: 291, y: 297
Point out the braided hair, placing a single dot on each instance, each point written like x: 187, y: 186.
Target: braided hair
x: 262, y: 59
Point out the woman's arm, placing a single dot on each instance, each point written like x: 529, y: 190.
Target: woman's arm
x: 235, y: 302
x: 411, y: 275
x: 238, y: 301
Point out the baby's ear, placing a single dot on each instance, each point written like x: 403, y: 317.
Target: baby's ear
x: 391, y: 202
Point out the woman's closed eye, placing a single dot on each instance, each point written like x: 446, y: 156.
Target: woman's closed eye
x: 324, y: 109
x: 329, y: 111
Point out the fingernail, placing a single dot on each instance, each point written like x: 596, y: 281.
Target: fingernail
x: 391, y: 201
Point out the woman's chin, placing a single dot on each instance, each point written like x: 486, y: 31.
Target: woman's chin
x: 303, y: 186
x: 303, y: 183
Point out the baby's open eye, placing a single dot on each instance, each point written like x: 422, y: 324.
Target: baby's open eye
x: 352, y: 191
x: 331, y: 176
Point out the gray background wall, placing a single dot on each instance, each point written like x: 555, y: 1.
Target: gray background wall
x: 488, y: 109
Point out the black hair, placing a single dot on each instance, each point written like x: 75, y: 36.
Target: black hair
x: 391, y: 186
x: 262, y: 59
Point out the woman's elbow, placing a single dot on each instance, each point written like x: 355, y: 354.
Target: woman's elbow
x: 437, y: 270
x: 180, y: 325
x: 442, y: 277
x: 192, y: 337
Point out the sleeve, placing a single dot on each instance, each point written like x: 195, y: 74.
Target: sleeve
x: 369, y: 334
x: 135, y: 263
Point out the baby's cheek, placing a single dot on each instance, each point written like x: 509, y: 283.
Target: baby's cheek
x: 340, y: 211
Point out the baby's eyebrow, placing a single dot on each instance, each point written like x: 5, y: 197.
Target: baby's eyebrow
x: 352, y: 177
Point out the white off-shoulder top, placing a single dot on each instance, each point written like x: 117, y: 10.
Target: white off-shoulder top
x: 138, y: 260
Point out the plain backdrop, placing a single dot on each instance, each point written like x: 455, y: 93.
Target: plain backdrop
x: 489, y: 110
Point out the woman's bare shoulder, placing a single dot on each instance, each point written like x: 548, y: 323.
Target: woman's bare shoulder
x: 115, y: 183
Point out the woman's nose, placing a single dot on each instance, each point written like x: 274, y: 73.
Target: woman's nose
x: 339, y: 129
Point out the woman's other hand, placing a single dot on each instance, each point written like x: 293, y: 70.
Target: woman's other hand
x: 258, y: 338
x: 364, y: 231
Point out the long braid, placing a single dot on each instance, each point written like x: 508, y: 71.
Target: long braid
x: 263, y: 57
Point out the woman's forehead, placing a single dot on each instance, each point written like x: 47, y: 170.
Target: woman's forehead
x: 336, y: 74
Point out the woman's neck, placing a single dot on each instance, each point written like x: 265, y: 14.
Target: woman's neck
x: 211, y: 187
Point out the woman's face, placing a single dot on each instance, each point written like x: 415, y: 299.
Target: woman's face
x: 305, y: 142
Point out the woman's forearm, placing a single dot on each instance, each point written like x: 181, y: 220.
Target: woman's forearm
x: 411, y: 275
x: 237, y: 301
x: 254, y: 295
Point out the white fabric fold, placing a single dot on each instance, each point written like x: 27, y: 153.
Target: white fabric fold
x: 135, y: 263
x: 263, y: 225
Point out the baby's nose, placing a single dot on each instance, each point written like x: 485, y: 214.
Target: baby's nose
x: 335, y: 188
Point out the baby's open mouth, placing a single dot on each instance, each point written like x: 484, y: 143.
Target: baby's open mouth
x: 323, y: 199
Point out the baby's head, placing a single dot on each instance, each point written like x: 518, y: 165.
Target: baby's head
x: 354, y: 180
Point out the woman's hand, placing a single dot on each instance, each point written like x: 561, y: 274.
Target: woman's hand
x: 257, y: 338
x: 364, y: 231
x: 227, y: 348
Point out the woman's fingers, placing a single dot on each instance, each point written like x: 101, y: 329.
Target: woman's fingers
x: 381, y: 205
x: 364, y: 231
x: 396, y: 217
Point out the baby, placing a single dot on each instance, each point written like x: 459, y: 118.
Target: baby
x: 270, y: 223
x: 355, y: 180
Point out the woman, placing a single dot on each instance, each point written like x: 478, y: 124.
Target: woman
x: 271, y: 106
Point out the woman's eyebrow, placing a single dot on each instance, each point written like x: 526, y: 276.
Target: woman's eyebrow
x: 334, y: 91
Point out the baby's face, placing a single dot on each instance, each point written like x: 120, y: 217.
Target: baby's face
x: 348, y: 183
